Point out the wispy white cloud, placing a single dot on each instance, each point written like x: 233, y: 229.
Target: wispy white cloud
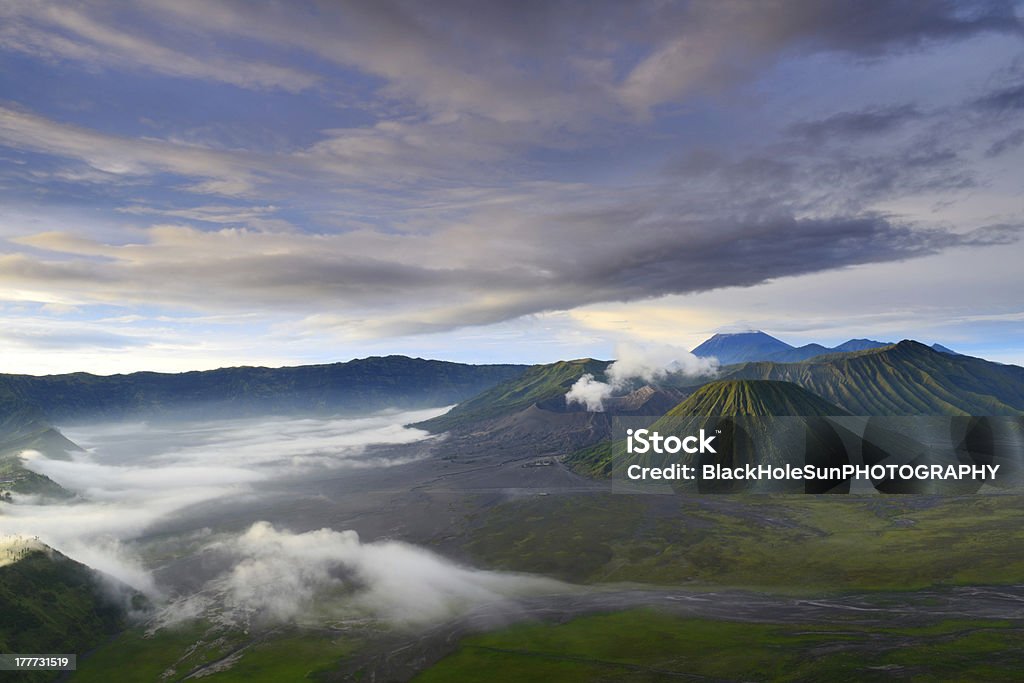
x: 137, y: 475
x: 390, y: 169
x: 378, y: 159
x: 119, y: 155
x: 282, y: 576
x: 172, y: 467
x: 647, y: 364
x: 62, y: 32
x: 483, y: 58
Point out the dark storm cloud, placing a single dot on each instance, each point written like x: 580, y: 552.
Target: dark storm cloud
x: 1005, y: 144
x: 847, y: 125
x: 673, y: 258
x: 1001, y: 233
x: 840, y: 164
x: 872, y: 26
x: 842, y: 24
x: 863, y: 178
x: 470, y: 162
x: 1003, y: 100
x: 687, y: 258
x: 625, y: 253
x: 541, y: 62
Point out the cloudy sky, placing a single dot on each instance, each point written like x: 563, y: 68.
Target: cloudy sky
x: 191, y: 184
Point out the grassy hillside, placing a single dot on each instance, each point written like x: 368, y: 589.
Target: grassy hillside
x: 899, y: 379
x: 50, y: 604
x: 789, y: 544
x: 365, y: 384
x: 25, y: 429
x: 647, y: 645
x: 747, y: 435
x: 203, y: 651
x: 908, y: 378
x: 538, y: 383
x: 753, y: 397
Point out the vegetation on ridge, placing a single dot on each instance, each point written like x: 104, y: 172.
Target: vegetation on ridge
x: 908, y: 378
x: 538, y: 383
x: 360, y: 385
x: 52, y: 604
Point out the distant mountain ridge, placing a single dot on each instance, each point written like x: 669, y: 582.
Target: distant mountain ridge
x: 30, y: 404
x: 362, y: 385
x: 907, y: 378
x: 744, y: 347
x: 741, y: 346
x: 858, y: 345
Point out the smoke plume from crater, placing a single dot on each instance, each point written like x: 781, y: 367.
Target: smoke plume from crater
x: 648, y: 364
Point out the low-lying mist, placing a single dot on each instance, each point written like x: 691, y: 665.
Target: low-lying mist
x: 133, y: 476
x: 276, y: 576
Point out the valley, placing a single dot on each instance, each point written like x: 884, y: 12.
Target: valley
x: 426, y: 543
x: 385, y: 341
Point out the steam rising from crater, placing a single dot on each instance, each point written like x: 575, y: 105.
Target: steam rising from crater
x: 649, y: 364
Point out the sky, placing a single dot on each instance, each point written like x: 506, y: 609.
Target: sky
x: 190, y: 184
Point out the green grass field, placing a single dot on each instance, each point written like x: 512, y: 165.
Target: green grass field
x: 173, y: 654
x: 645, y: 645
x: 774, y: 543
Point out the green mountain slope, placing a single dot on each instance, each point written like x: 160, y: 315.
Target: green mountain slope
x: 763, y: 422
x: 753, y: 398
x: 538, y: 384
x: 51, y: 604
x: 359, y: 385
x: 26, y: 428
x: 742, y: 415
x: 23, y: 429
x: 744, y: 347
x: 899, y: 379
x: 907, y: 378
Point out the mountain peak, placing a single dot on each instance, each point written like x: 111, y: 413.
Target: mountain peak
x: 738, y: 347
x: 746, y: 334
x: 906, y: 378
x: 912, y: 345
x: 859, y: 345
x: 755, y: 345
x: 946, y: 350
